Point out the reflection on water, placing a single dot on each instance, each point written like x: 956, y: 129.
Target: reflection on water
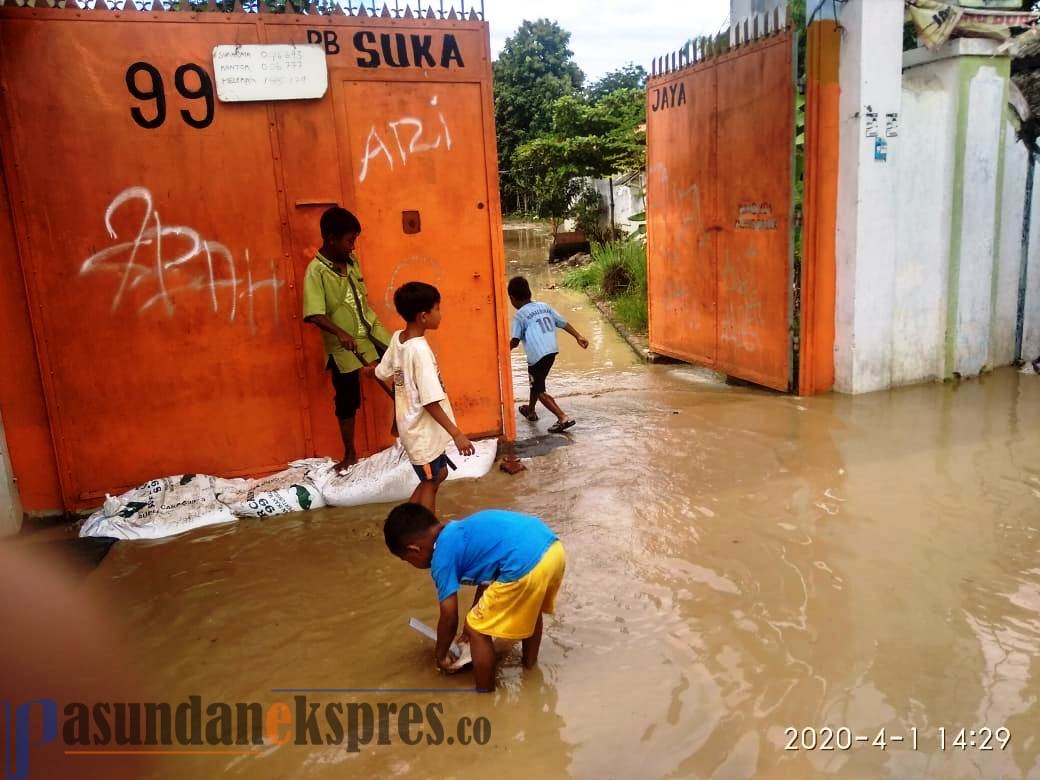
x: 738, y: 563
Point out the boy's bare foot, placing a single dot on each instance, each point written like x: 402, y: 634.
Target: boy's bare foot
x: 344, y: 465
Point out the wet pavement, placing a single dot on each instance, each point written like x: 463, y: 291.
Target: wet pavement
x: 740, y: 563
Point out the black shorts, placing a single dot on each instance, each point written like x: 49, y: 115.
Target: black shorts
x: 431, y: 471
x: 348, y: 391
x: 539, y: 372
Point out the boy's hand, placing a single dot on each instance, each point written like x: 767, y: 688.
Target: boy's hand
x: 445, y: 664
x: 583, y: 342
x: 347, y: 341
x: 464, y: 445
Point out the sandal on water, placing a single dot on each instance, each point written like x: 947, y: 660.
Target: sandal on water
x: 527, y: 414
x: 560, y: 427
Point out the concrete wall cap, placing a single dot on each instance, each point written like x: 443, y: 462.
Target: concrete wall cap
x: 957, y: 47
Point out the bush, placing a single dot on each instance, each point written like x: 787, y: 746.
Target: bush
x: 617, y: 279
x: 617, y: 273
x: 631, y: 310
x: 587, y: 277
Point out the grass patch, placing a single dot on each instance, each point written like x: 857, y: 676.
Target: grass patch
x: 617, y: 274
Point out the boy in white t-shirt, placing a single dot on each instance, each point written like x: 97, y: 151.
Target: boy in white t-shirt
x: 425, y: 421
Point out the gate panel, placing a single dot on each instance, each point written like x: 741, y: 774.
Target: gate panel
x: 681, y: 216
x: 156, y: 278
x: 162, y: 233
x: 755, y: 132
x: 719, y: 198
x: 422, y: 132
x: 21, y: 391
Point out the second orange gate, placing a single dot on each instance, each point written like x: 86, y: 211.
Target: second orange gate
x: 720, y: 137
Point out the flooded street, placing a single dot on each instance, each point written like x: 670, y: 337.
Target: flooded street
x: 739, y: 563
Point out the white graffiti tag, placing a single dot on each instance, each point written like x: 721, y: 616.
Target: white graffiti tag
x: 214, y: 265
x: 408, y: 136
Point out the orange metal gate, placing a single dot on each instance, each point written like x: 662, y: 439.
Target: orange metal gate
x: 162, y: 237
x: 719, y: 207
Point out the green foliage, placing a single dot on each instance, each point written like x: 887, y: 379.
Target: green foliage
x: 535, y: 69
x: 629, y: 77
x: 549, y: 131
x: 552, y: 192
x: 618, y: 273
x: 632, y: 310
x: 584, y: 140
x: 585, y: 278
x: 595, y: 139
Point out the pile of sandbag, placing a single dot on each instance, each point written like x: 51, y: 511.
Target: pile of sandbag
x: 174, y: 505
x: 388, y: 476
x: 161, y: 507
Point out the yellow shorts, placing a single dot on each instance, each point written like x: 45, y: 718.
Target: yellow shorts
x: 510, y: 610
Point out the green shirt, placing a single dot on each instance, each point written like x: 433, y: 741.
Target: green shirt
x: 339, y: 298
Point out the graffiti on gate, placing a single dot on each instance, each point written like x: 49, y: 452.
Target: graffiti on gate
x: 408, y: 135
x: 756, y: 216
x: 176, y: 260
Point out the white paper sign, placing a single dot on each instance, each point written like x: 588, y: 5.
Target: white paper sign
x: 251, y: 72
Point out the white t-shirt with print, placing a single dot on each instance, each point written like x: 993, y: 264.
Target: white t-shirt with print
x: 417, y: 382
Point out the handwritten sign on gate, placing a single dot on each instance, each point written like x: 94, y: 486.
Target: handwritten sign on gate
x: 257, y: 72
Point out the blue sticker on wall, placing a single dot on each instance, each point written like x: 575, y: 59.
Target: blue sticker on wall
x: 880, y: 150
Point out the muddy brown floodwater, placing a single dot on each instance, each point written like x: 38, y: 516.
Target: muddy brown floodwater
x: 740, y: 563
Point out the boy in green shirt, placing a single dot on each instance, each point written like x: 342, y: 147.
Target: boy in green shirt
x: 336, y: 301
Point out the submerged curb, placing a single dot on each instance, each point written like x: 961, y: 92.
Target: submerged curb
x: 637, y: 341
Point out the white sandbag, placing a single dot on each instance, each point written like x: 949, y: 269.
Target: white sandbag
x: 163, y: 507
x: 281, y: 493
x: 388, y: 476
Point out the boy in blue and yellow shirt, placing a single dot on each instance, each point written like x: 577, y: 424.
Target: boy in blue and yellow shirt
x: 516, y: 562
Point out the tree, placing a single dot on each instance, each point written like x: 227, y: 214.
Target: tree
x: 629, y: 77
x: 591, y: 140
x: 585, y: 139
x: 535, y: 68
x: 552, y: 191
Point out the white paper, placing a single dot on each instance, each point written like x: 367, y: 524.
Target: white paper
x: 259, y: 72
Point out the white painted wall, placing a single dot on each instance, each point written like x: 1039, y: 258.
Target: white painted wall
x: 629, y: 200
x: 1009, y: 254
x: 987, y: 98
x: 10, y: 504
x: 942, y: 297
x: 925, y: 172
x: 871, y: 81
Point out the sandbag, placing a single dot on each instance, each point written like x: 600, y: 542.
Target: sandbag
x: 174, y: 505
x: 287, y: 491
x: 388, y: 476
x: 163, y: 507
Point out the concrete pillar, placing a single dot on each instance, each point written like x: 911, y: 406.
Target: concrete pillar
x: 10, y: 504
x: 976, y: 210
x: 871, y: 86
